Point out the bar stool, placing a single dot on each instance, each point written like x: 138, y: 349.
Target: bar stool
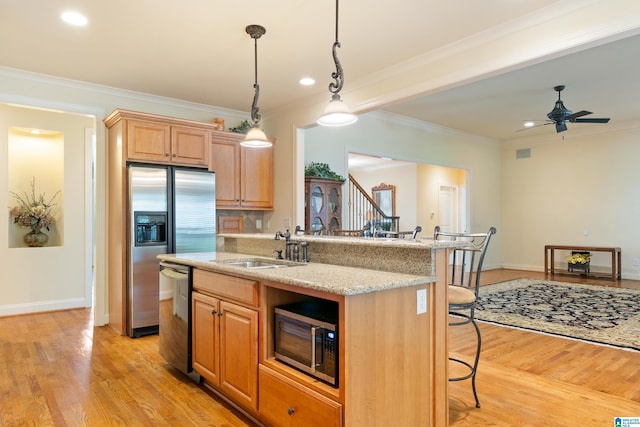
x: 463, y: 290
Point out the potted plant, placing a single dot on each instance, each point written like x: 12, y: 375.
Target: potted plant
x: 579, y: 260
x: 321, y: 170
x: 34, y: 211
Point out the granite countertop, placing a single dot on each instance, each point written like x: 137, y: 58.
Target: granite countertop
x: 420, y: 243
x: 333, y: 279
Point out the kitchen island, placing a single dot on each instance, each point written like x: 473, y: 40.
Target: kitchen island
x: 392, y: 347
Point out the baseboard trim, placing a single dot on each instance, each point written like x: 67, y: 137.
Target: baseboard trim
x: 41, y: 306
x: 629, y: 275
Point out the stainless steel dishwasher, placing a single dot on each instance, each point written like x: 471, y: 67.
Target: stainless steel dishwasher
x: 175, y: 317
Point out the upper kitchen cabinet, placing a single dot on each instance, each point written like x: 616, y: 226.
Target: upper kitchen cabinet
x: 158, y: 139
x: 244, y: 175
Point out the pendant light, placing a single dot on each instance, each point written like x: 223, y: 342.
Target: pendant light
x: 337, y: 113
x: 255, y: 137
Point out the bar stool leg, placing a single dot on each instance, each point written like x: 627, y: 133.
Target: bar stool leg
x: 472, y: 368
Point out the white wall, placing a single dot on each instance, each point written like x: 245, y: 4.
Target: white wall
x: 387, y: 135
x: 584, y: 183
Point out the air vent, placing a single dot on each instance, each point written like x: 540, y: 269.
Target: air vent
x: 523, y: 153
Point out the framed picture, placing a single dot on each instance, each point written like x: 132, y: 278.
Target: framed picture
x: 385, y: 197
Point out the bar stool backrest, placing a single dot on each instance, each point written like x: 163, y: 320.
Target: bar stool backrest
x: 467, y: 262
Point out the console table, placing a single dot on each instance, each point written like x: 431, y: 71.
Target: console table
x: 616, y: 258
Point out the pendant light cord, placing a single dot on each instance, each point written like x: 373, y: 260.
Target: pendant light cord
x: 255, y: 117
x: 255, y: 31
x: 338, y: 75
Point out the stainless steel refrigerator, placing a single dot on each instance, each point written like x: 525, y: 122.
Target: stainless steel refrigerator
x: 171, y: 210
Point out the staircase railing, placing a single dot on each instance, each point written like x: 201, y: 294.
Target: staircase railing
x: 365, y: 214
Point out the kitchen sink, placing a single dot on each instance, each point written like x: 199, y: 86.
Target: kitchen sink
x: 255, y: 264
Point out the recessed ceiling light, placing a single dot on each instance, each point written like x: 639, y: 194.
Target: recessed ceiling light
x: 74, y: 18
x: 35, y: 131
x: 528, y: 124
x: 307, y: 81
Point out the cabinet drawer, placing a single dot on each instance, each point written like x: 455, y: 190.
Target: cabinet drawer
x: 230, y: 287
x: 284, y: 402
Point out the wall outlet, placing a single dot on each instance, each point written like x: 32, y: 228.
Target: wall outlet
x: 287, y: 223
x: 258, y: 224
x: 635, y: 262
x: 421, y: 305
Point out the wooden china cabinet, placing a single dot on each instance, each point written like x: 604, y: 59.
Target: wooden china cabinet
x: 323, y: 204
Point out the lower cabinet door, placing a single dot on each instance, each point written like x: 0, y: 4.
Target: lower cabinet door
x: 205, y: 336
x: 286, y: 403
x: 239, y: 354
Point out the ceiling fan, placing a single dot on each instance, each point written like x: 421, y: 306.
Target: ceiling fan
x: 560, y: 115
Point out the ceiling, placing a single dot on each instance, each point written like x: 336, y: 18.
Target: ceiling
x: 603, y: 80
x: 198, y: 51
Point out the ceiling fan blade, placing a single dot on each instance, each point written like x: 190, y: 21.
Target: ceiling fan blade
x: 593, y: 120
x: 535, y: 126
x: 561, y: 127
x: 574, y: 116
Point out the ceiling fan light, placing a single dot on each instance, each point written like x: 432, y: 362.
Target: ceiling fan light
x: 337, y: 113
x: 255, y: 138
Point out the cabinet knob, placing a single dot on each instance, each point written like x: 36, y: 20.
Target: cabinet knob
x: 291, y: 411
x: 214, y: 312
x: 175, y: 155
x: 166, y: 154
x: 219, y: 314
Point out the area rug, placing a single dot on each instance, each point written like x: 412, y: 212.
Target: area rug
x: 599, y: 314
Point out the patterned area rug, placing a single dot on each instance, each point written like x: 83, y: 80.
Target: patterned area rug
x: 594, y: 313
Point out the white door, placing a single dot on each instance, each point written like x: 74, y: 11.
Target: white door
x: 448, y: 208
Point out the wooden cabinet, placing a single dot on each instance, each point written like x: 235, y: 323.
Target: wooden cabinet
x: 244, y: 175
x: 284, y: 402
x: 205, y: 331
x: 323, y: 204
x: 225, y: 335
x: 157, y: 142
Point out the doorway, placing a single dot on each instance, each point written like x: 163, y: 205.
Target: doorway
x: 61, y: 275
x: 448, y: 208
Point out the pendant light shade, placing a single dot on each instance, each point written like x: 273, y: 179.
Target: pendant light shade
x: 337, y: 113
x: 255, y: 137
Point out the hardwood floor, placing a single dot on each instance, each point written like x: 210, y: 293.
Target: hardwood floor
x: 530, y: 379
x: 56, y: 369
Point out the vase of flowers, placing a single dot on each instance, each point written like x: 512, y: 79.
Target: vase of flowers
x: 579, y: 260
x: 34, y: 212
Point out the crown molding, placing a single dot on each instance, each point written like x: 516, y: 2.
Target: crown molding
x: 426, y: 126
x: 46, y: 79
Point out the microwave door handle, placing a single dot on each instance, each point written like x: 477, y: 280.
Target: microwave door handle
x: 313, y: 349
x: 315, y: 331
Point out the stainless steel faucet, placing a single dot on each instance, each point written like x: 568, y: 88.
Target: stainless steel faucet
x: 287, y: 249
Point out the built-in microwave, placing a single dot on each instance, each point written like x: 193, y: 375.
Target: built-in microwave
x: 306, y: 337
